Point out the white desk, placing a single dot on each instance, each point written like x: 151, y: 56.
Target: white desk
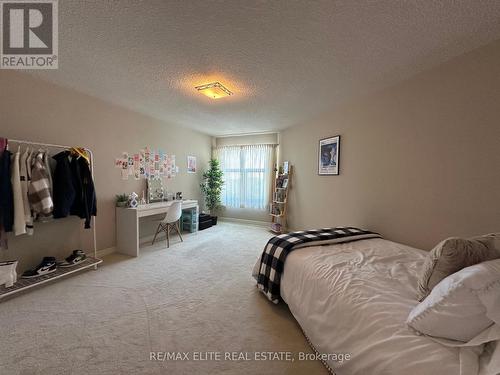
x: 127, y: 223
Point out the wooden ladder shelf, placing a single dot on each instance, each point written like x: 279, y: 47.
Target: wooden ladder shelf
x: 279, y: 204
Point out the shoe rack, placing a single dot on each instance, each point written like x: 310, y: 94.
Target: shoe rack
x: 24, y: 284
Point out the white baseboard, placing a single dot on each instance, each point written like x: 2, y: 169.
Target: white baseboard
x: 258, y: 223
x: 103, y: 252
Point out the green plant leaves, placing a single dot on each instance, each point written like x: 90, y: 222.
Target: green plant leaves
x: 212, y: 185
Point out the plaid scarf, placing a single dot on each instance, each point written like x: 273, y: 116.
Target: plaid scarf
x: 39, y: 188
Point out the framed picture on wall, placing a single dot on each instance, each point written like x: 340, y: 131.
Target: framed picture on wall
x: 191, y: 164
x: 329, y: 156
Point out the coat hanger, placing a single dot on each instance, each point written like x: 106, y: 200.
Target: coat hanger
x: 80, y: 152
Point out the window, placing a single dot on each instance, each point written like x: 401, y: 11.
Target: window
x: 247, y: 175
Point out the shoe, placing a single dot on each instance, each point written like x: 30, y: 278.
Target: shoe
x: 47, y: 266
x: 77, y: 257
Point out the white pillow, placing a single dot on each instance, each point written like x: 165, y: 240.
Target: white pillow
x: 461, y: 305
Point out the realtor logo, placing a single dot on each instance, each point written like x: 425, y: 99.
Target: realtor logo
x: 29, y: 37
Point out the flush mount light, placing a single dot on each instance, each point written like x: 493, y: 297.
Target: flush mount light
x: 214, y: 90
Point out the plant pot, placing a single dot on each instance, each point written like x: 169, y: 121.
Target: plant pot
x: 214, y: 220
x: 121, y: 204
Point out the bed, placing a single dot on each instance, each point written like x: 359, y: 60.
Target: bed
x: 352, y: 301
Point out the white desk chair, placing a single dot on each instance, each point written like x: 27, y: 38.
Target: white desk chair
x: 170, y: 221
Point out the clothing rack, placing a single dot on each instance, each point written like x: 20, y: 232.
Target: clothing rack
x: 23, y: 284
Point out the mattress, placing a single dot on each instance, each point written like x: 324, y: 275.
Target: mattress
x: 352, y: 301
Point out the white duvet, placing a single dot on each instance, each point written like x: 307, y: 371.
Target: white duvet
x: 354, y: 299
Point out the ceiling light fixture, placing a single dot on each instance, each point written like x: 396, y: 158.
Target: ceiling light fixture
x: 214, y: 90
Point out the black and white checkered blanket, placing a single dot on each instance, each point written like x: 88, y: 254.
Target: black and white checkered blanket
x: 277, y: 249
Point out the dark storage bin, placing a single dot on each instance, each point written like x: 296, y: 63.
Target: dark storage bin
x: 214, y: 220
x: 204, y: 221
x: 204, y: 224
x: 204, y: 217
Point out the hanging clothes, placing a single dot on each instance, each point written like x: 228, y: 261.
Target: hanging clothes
x: 19, y: 222
x: 85, y: 203
x: 63, y: 186
x: 48, y: 167
x: 3, y: 238
x: 25, y: 179
x: 38, y: 190
x: 29, y: 163
x: 6, y: 195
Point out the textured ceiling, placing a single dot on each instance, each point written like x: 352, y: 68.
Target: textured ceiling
x: 286, y: 61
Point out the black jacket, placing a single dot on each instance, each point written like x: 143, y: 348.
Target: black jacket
x: 6, y: 195
x: 84, y: 204
x: 63, y: 188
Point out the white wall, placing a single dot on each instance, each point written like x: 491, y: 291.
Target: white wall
x: 419, y: 161
x: 36, y: 110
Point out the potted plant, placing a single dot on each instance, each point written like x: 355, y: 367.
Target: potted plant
x: 121, y: 200
x: 212, y: 188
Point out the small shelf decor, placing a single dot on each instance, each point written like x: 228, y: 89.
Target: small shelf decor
x: 278, y: 208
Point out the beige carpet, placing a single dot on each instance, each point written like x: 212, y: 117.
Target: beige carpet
x: 194, y: 296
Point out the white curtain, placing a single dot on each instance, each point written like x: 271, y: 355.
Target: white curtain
x: 247, y: 175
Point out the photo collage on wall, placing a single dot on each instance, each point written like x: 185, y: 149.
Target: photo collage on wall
x: 147, y: 163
